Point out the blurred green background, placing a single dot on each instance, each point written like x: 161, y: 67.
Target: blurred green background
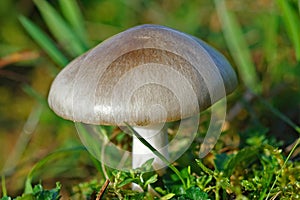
x: 261, y: 38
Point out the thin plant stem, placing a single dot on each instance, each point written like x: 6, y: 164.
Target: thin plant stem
x: 279, y: 114
x: 24, y: 138
x: 157, y: 153
x: 4, y: 191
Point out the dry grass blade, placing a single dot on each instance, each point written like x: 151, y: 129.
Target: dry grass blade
x: 18, y: 57
x: 102, y: 190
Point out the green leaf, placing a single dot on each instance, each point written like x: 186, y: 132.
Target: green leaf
x: 135, y: 196
x: 6, y: 198
x: 248, y: 185
x: 245, y: 154
x: 167, y: 196
x: 151, y: 180
x: 291, y: 21
x: 26, y: 197
x: 238, y: 47
x: 147, y: 166
x: 220, y: 161
x: 60, y: 29
x: 72, y: 13
x: 44, y: 41
x: 125, y: 182
x: 196, y: 193
x: 176, y: 189
x: 41, y: 194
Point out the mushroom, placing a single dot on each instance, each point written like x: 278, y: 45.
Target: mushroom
x: 144, y: 76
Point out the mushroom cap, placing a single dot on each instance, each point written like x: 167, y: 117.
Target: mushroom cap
x: 145, y: 75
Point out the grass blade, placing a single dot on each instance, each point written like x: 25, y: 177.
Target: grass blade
x: 60, y: 29
x: 270, y: 27
x: 42, y: 162
x: 34, y: 94
x: 279, y: 114
x: 157, y: 153
x: 23, y: 140
x: 72, y: 13
x: 44, y: 41
x: 238, y: 47
x: 291, y: 21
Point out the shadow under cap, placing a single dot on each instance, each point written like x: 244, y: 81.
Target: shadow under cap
x: 121, y: 78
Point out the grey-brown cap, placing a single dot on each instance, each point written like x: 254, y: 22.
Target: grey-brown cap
x: 147, y: 74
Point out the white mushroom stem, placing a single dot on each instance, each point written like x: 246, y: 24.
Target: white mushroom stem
x: 158, y: 138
